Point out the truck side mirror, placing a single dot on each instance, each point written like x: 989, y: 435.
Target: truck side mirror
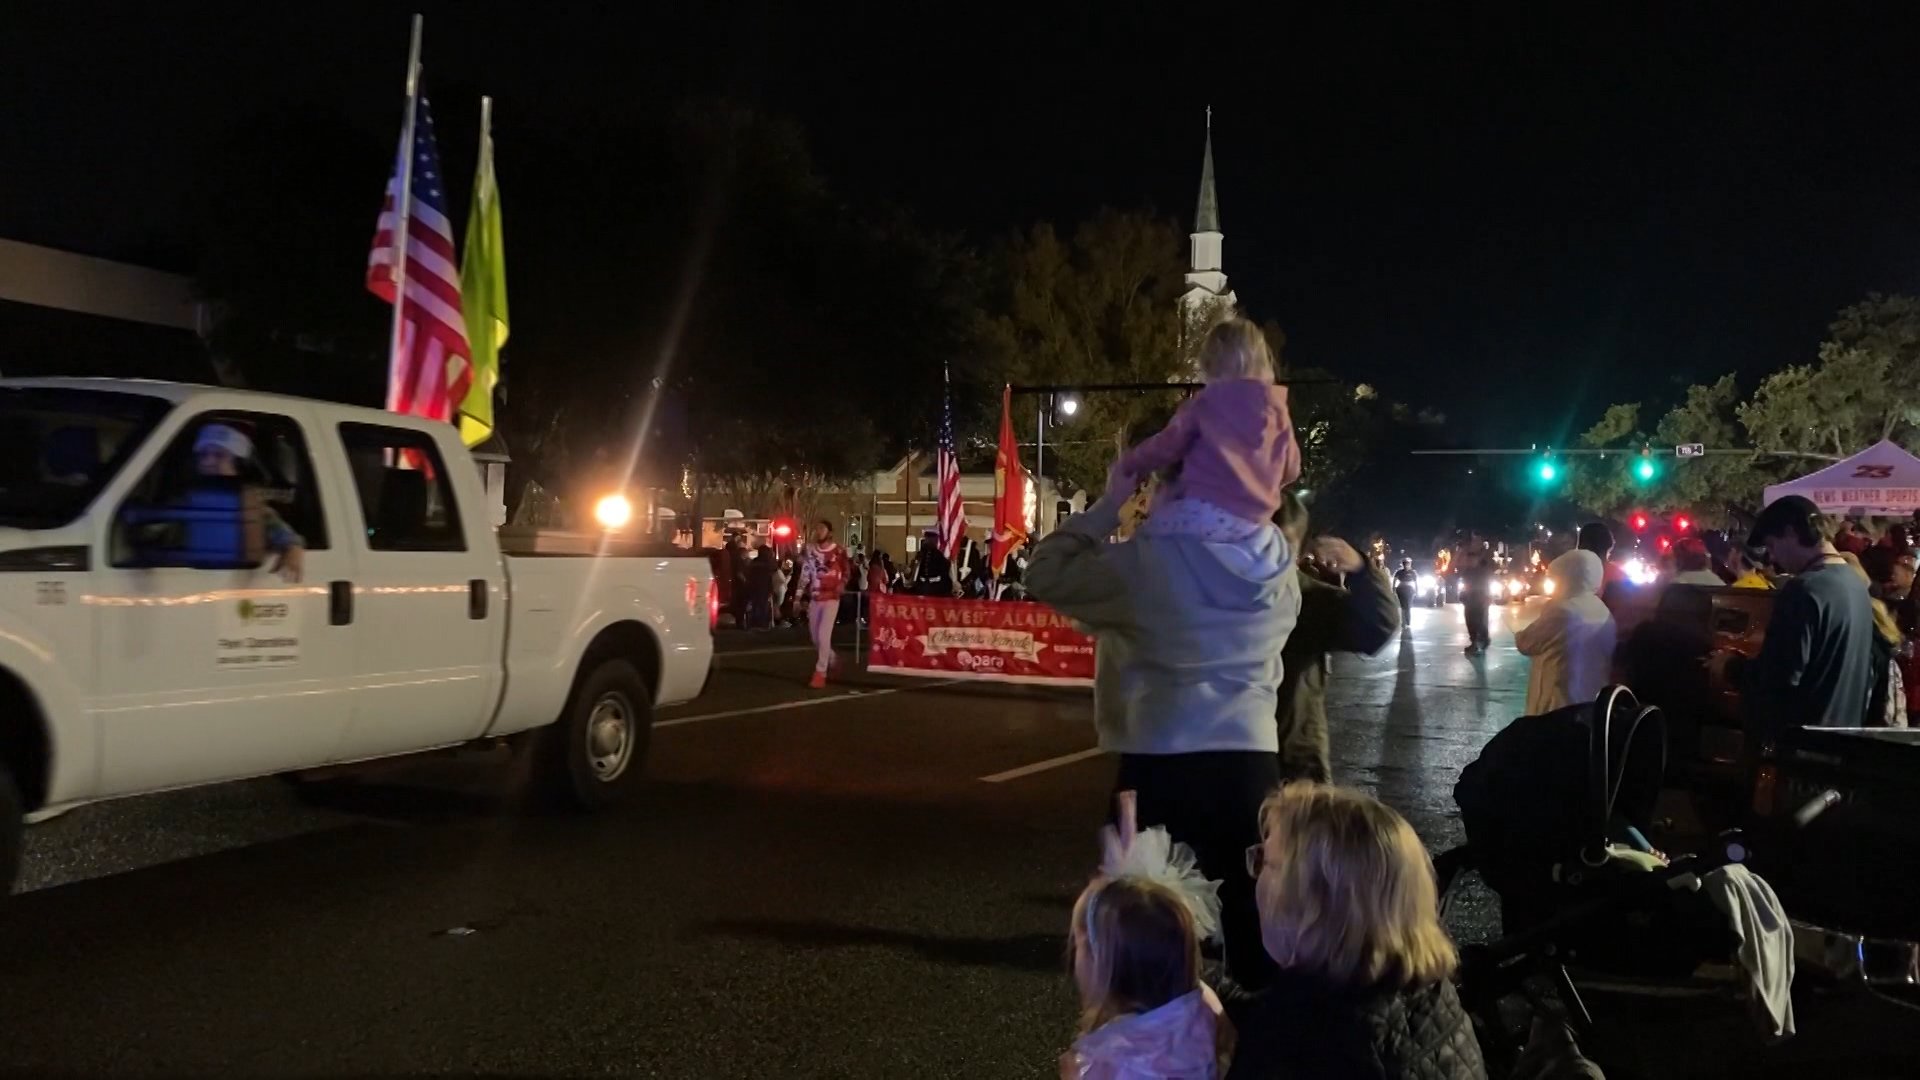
x: 219, y: 524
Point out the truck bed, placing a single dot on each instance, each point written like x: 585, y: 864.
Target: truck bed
x: 1857, y: 866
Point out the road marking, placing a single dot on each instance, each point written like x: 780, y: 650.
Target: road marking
x: 1041, y: 766
x: 851, y: 695
x: 762, y: 651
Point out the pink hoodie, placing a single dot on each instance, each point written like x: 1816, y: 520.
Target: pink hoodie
x: 1177, y: 1041
x: 1234, y: 442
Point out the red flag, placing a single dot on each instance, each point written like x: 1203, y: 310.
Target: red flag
x: 1009, y: 491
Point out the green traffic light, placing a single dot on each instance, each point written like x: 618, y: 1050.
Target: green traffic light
x: 1645, y: 469
x: 1548, y: 472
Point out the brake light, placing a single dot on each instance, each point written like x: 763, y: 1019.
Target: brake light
x: 713, y: 604
x: 1765, y: 783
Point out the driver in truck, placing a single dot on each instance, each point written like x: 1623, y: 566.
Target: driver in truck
x: 219, y: 450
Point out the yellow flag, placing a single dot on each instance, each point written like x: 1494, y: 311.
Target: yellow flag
x: 483, y: 291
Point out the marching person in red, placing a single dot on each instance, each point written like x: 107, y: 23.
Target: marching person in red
x: 823, y: 575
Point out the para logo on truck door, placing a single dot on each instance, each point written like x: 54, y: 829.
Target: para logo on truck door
x: 254, y: 634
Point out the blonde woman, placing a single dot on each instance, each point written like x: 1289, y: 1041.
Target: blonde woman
x: 1350, y: 912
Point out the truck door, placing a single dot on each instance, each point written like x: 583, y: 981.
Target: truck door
x: 212, y: 674
x: 429, y: 609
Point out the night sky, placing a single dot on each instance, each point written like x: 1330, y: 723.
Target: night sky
x: 1516, y: 218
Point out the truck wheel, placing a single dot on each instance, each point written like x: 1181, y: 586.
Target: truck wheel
x: 595, y: 753
x: 11, y: 825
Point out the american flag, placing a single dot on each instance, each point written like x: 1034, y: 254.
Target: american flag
x: 953, y: 509
x: 429, y: 373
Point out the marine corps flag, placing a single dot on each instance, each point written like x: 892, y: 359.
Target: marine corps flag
x: 1009, y: 491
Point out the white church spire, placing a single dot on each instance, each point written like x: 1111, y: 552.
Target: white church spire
x: 1206, y: 282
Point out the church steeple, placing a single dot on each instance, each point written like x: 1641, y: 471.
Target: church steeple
x: 1207, y: 217
x: 1206, y: 282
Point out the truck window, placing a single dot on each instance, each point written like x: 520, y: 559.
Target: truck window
x: 59, y: 447
x: 405, y: 496
x: 266, y: 451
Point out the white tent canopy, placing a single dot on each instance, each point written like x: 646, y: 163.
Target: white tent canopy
x: 1883, y: 479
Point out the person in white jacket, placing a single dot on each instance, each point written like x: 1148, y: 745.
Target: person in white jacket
x: 1571, y: 642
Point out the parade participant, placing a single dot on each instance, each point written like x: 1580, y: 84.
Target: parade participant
x: 1571, y: 642
x: 221, y: 450
x: 1185, y: 675
x: 1350, y: 913
x: 932, y: 571
x: 1476, y: 596
x: 1816, y: 665
x: 1406, y: 585
x: 1136, y: 933
x: 1354, y: 615
x: 782, y: 583
x: 823, y: 574
x: 1230, y: 448
x: 760, y: 575
x: 853, y: 607
x: 879, y: 574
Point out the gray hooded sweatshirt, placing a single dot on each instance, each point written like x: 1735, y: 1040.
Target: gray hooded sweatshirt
x: 1189, y: 632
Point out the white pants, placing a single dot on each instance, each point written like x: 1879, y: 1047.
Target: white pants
x: 820, y: 620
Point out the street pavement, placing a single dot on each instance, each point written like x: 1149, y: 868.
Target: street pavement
x: 866, y: 881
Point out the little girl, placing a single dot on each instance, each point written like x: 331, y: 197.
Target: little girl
x: 1233, y: 442
x: 1136, y: 961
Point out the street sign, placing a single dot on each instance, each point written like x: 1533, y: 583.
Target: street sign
x: 1692, y: 449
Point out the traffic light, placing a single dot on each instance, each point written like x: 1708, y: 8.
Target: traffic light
x: 1683, y: 523
x: 1639, y: 521
x: 1547, y: 471
x: 1644, y: 470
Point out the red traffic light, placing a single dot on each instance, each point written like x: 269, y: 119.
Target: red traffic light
x: 1639, y: 522
x: 1666, y: 543
x: 783, y: 530
x: 1683, y: 523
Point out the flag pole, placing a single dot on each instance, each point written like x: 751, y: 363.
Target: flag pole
x: 403, y: 206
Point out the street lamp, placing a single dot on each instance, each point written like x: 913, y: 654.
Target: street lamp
x: 1064, y: 407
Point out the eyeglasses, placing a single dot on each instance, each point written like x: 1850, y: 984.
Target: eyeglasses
x: 1256, y: 860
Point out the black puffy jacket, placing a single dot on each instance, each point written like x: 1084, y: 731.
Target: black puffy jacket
x: 1304, y: 1028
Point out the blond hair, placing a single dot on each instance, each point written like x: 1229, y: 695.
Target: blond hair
x: 1134, y: 949
x: 1236, y: 349
x: 1348, y: 891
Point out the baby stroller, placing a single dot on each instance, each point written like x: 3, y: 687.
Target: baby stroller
x: 1557, y: 809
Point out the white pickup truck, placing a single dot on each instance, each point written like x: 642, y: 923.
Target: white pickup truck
x: 151, y: 638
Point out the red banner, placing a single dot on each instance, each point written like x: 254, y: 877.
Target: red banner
x: 1004, y: 641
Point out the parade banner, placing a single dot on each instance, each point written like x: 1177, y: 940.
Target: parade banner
x: 1000, y: 641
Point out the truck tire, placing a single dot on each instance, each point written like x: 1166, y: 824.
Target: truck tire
x: 12, y: 824
x: 595, y: 753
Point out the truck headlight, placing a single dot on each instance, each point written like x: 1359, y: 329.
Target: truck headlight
x: 613, y: 511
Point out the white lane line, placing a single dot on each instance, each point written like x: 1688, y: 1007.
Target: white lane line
x: 762, y: 651
x: 1041, y: 766
x: 851, y: 695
